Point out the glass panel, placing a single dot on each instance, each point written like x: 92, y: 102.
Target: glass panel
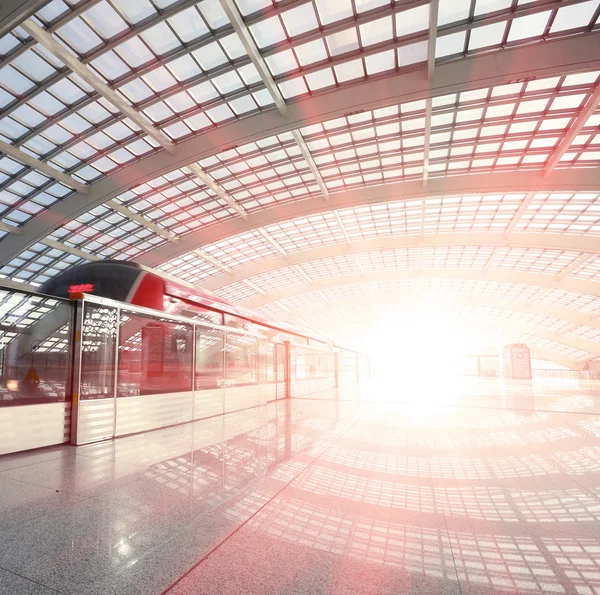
x: 35, y: 347
x: 241, y: 360
x: 209, y: 358
x: 280, y: 370
x: 155, y: 356
x: 98, y: 339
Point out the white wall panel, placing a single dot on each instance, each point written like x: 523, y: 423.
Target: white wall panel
x: 314, y: 388
x: 148, y: 412
x: 96, y: 420
x: 208, y: 403
x: 242, y: 397
x: 34, y: 426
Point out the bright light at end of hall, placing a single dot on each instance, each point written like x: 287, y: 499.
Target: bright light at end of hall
x: 418, y: 347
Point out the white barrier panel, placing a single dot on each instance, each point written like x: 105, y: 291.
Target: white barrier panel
x: 33, y: 426
x: 149, y: 412
x: 313, y: 388
x: 208, y: 403
x: 96, y: 420
x: 242, y: 397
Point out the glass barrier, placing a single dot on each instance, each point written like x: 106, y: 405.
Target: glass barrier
x: 241, y: 360
x: 280, y: 370
x: 98, y: 352
x: 155, y: 355
x: 35, y: 347
x: 209, y: 358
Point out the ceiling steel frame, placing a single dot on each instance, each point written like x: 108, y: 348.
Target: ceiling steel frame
x: 180, y: 117
x: 431, y: 43
x: 504, y: 183
x: 186, y: 49
x: 533, y: 279
x: 233, y: 13
x: 462, y: 298
x: 574, y: 129
x: 324, y: 30
x: 14, y: 12
x: 553, y: 59
x: 586, y: 244
x: 53, y: 45
x: 45, y: 168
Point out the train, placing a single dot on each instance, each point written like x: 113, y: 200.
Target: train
x: 158, y: 356
x: 132, y: 283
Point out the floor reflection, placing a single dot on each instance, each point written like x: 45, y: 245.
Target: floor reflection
x: 496, y: 495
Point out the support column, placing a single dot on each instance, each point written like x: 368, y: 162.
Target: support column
x: 76, y: 363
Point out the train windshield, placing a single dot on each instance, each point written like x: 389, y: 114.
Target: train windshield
x: 113, y: 280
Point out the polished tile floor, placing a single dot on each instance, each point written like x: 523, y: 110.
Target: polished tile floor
x: 481, y: 488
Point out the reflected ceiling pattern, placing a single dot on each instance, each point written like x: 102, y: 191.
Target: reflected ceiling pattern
x: 291, y: 154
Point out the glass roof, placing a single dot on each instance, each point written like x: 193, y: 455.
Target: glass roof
x: 185, y: 71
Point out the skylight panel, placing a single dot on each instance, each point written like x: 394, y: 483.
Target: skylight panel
x: 233, y: 46
x: 450, y: 11
x: 160, y: 39
x: 105, y: 21
x: 529, y: 26
x: 188, y: 24
x: 184, y: 68
x: 220, y: 113
x: 33, y: 65
x: 210, y: 56
x: 450, y: 45
x: 486, y: 36
x: 320, y: 79
x: 568, y: 102
x: 342, y: 42
x: 412, y: 54
x: 180, y: 102
x: 267, y: 32
x: 110, y: 66
x: 134, y: 12
x: 228, y: 82
x: 330, y: 12
x: 300, y: 20
x: 214, y: 14
x: 52, y: 11
x: 311, y: 52
x: 134, y: 52
x: 79, y: 36
x: 380, y: 62
x: 543, y: 84
x: 575, y: 16
x: 532, y: 106
x: 376, y: 31
x: 282, y: 62
x: 412, y: 21
x: 14, y: 81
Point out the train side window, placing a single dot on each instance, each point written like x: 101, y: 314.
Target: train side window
x: 155, y: 356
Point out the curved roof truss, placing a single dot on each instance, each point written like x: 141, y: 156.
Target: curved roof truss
x: 551, y: 58
x: 577, y: 285
x: 583, y: 244
x: 505, y: 182
x: 574, y: 317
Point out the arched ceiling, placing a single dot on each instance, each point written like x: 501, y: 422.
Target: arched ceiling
x: 276, y: 152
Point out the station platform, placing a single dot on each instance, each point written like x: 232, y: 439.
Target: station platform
x: 496, y: 492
